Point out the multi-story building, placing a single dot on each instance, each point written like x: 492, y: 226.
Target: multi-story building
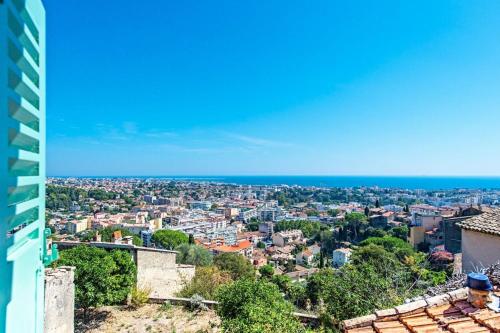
x: 22, y: 166
x: 340, y: 257
x: 246, y: 214
x: 76, y: 226
x: 284, y: 238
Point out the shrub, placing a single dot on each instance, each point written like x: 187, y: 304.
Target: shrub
x: 205, y: 282
x: 139, y: 296
x: 190, y: 254
x: 255, y: 306
x: 101, y: 277
x: 237, y: 265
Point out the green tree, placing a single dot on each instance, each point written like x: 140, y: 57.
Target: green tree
x: 356, y: 221
x: 205, y: 282
x: 261, y: 245
x: 169, y: 239
x: 190, y: 254
x: 255, y: 306
x: 234, y: 263
x: 101, y: 277
x: 400, y: 232
x: 266, y: 271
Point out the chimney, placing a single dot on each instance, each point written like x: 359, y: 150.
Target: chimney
x: 479, y: 290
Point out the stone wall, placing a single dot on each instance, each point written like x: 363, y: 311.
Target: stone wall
x: 156, y: 269
x: 59, y: 300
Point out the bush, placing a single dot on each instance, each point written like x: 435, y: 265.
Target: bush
x: 205, y: 282
x: 266, y: 271
x: 139, y: 296
x: 234, y: 263
x: 101, y: 277
x: 255, y: 307
x: 190, y: 254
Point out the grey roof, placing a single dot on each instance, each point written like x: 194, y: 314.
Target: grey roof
x: 487, y: 222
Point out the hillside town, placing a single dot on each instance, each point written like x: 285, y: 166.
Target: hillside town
x: 295, y: 229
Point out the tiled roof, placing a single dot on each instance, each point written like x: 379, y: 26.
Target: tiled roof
x: 444, y: 313
x: 488, y: 222
x: 234, y: 248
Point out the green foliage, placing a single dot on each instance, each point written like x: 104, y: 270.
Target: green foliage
x: 391, y: 244
x: 356, y: 222
x: 312, y: 212
x: 255, y: 307
x: 355, y: 290
x: 190, y: 254
x: 266, y: 271
x: 205, y: 282
x: 61, y: 197
x: 101, y: 277
x: 139, y: 296
x: 333, y: 212
x: 237, y: 265
x: 400, y: 232
x: 261, y: 245
x: 308, y: 228
x: 169, y: 239
x: 252, y: 226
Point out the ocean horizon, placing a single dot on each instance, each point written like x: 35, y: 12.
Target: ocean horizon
x: 401, y: 182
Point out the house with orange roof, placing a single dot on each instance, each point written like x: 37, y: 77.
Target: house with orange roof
x: 244, y: 247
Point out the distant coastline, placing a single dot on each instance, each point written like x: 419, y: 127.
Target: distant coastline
x: 402, y: 182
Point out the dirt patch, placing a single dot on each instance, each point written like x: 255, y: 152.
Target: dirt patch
x: 148, y: 319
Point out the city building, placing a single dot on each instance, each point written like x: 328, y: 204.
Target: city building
x: 22, y: 168
x: 244, y: 247
x: 267, y: 228
x: 422, y: 223
x: 146, y: 237
x: 480, y: 241
x: 246, y: 214
x: 76, y: 226
x: 284, y: 238
x: 340, y: 257
x: 203, y: 205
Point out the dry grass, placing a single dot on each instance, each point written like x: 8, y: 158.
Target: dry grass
x: 149, y: 318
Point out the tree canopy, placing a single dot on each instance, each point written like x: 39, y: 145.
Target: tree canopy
x: 237, y: 265
x: 255, y: 306
x: 101, y: 277
x: 190, y: 254
x: 169, y: 239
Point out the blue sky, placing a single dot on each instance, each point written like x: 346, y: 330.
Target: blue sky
x: 273, y: 87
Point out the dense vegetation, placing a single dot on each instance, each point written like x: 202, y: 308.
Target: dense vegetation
x: 169, y: 239
x: 190, y: 254
x: 308, y: 228
x: 101, y: 277
x: 61, y: 197
x: 255, y: 306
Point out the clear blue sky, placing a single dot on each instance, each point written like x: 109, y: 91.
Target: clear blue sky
x: 196, y: 87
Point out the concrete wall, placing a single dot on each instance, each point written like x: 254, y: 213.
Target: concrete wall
x: 59, y: 300
x: 479, y: 250
x: 158, y: 271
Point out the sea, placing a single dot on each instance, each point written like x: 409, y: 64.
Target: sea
x: 401, y: 182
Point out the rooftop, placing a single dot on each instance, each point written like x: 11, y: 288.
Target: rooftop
x: 448, y: 312
x: 488, y: 223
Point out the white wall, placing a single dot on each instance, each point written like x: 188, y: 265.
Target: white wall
x: 479, y: 250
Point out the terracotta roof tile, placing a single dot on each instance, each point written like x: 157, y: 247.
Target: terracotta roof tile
x: 450, y: 313
x: 488, y: 222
